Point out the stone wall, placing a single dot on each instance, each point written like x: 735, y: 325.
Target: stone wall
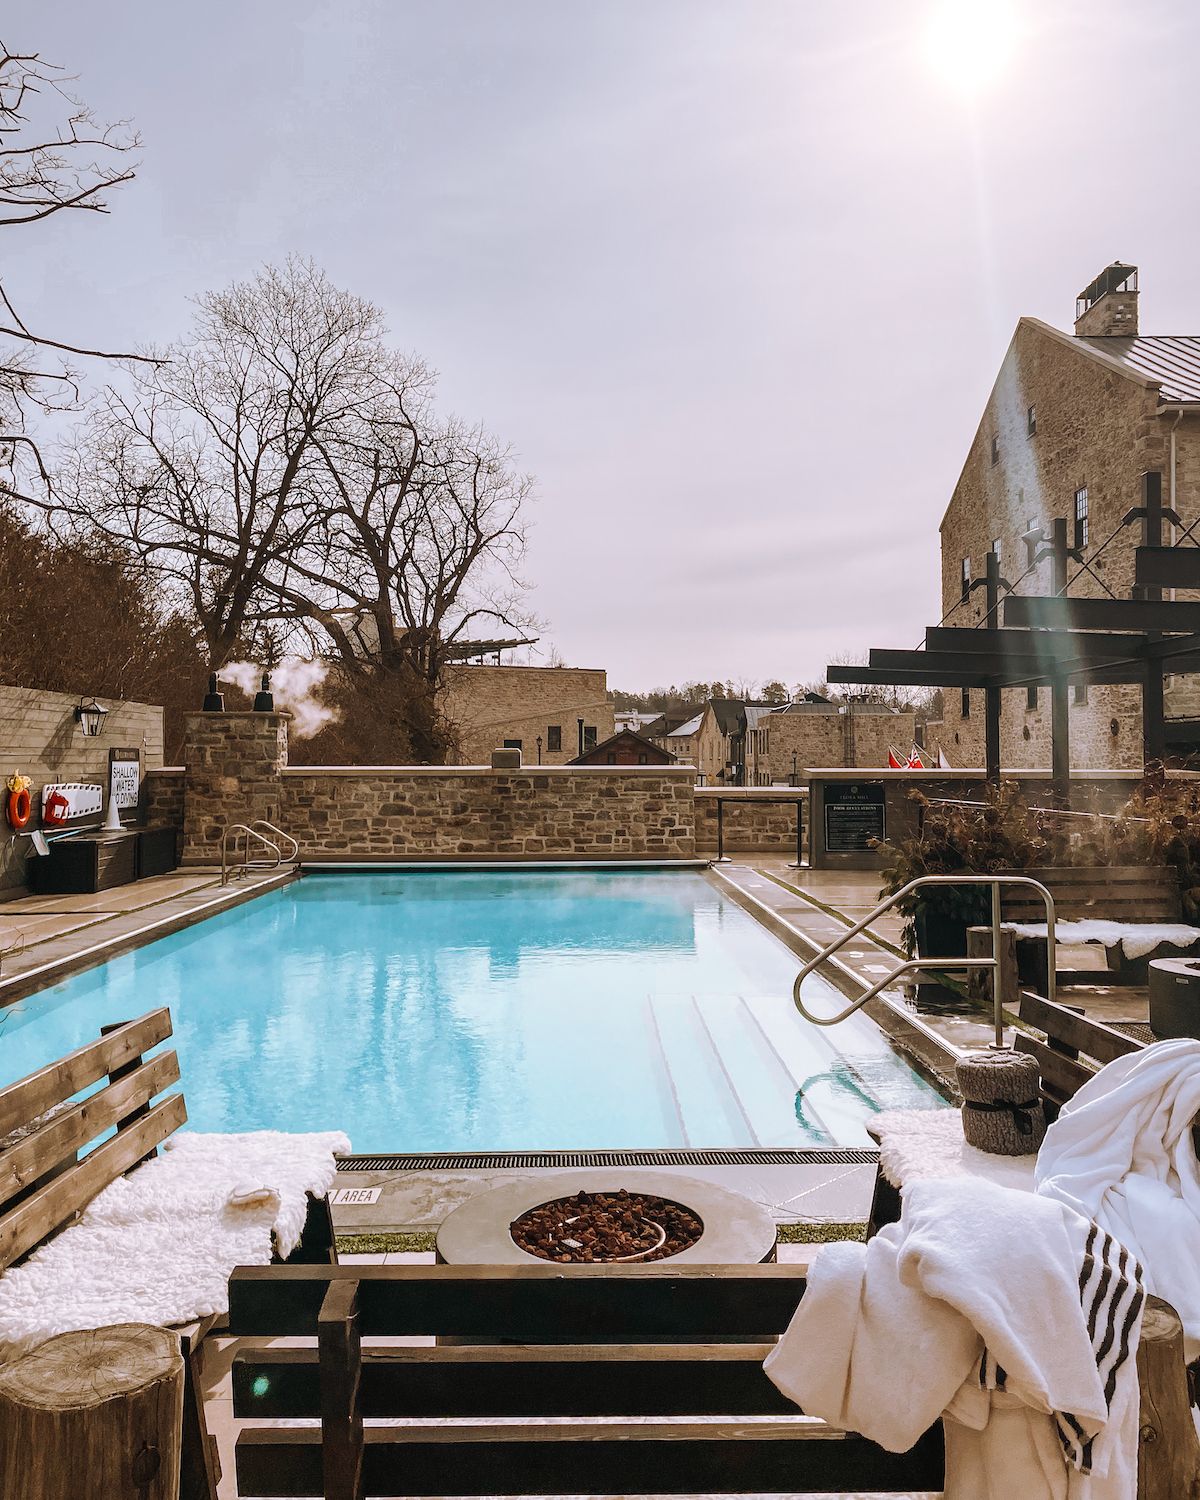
x: 232, y: 765
x: 162, y: 798
x: 753, y: 824
x: 489, y: 705
x: 237, y: 771
x: 41, y: 738
x: 1097, y: 426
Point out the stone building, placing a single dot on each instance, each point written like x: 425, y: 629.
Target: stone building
x: 550, y: 714
x: 815, y: 732
x: 1072, y: 422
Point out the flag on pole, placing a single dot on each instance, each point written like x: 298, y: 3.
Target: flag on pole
x: 915, y: 763
x: 895, y: 761
x: 943, y: 763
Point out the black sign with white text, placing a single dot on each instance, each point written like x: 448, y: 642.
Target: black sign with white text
x: 853, y: 816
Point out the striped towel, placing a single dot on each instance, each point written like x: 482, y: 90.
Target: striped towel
x: 1112, y: 1293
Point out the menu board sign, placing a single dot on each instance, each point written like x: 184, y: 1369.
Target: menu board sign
x: 854, y: 816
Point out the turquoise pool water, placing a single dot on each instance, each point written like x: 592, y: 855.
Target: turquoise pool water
x: 479, y: 1011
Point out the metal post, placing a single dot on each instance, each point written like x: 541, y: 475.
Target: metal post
x: 720, y: 830
x: 997, y: 987
x: 1154, y: 742
x: 1060, y: 708
x: 991, y: 709
x: 799, y: 837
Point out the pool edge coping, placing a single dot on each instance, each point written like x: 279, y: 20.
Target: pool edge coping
x: 21, y: 986
x: 919, y: 1044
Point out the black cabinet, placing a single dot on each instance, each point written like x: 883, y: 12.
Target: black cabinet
x: 89, y: 862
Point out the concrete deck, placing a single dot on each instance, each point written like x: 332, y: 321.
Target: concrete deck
x: 59, y: 935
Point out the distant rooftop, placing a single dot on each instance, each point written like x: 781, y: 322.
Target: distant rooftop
x: 1172, y: 358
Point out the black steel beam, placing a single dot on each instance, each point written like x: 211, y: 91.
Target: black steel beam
x: 1167, y: 567
x: 875, y: 677
x: 1056, y: 645
x: 1042, y: 613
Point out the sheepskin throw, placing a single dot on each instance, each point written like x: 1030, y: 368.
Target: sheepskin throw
x: 158, y: 1246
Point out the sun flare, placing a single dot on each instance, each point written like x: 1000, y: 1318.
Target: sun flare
x: 970, y: 44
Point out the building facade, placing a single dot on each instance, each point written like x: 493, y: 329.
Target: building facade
x: 550, y: 714
x: 625, y: 748
x: 1073, y: 421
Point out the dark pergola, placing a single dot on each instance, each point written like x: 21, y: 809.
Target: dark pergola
x: 1056, y: 641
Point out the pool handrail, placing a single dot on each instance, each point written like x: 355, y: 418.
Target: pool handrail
x: 995, y: 882
x: 254, y: 831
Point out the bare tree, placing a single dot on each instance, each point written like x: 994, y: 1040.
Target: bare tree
x: 55, y: 158
x: 284, y: 478
x: 213, y: 465
x: 422, y: 549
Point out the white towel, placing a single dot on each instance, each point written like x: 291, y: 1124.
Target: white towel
x: 891, y: 1334
x: 1121, y: 1152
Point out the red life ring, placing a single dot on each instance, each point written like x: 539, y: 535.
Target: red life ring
x: 19, y: 808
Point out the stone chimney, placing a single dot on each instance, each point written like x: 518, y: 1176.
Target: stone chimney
x: 1108, y: 308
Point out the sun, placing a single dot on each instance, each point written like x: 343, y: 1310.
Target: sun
x: 970, y: 44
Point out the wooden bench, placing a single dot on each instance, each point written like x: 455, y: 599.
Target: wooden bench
x: 1114, y: 893
x: 45, y: 1185
x: 542, y: 1415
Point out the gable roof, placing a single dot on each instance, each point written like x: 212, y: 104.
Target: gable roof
x: 621, y: 735
x: 691, y: 727
x: 1172, y: 359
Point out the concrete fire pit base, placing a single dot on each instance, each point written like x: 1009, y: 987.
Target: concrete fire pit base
x: 737, y: 1231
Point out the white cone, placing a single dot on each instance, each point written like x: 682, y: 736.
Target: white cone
x: 112, y: 823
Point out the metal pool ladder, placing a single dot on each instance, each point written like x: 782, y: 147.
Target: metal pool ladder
x: 995, y: 882
x: 261, y: 833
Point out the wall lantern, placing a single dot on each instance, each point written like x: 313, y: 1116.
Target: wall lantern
x: 91, y: 718
x: 264, y: 700
x: 214, y: 700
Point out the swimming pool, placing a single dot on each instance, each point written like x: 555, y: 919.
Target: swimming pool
x: 468, y: 1011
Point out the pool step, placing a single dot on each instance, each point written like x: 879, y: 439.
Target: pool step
x: 707, y: 1099
x: 763, y: 1083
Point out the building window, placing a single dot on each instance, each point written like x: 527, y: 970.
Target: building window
x: 611, y: 758
x: 1030, y: 420
x: 995, y: 451
x: 1081, y: 517
x: 996, y: 549
x: 643, y: 759
x: 1081, y: 693
x: 512, y: 744
x: 1031, y: 698
x: 554, y: 737
x: 589, y: 736
x: 966, y: 579
x: 966, y: 703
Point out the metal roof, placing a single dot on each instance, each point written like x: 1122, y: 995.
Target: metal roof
x: 1172, y: 358
x: 691, y: 727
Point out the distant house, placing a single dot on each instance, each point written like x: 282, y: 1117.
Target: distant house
x: 625, y: 748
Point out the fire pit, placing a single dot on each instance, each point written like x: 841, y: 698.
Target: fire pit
x: 606, y: 1217
x: 590, y: 1228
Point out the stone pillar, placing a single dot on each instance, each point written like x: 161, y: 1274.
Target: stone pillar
x: 231, y: 763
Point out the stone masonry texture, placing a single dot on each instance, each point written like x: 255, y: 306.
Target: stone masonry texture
x: 489, y: 705
x: 1095, y: 427
x: 236, y: 770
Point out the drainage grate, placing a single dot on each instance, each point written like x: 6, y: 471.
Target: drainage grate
x: 477, y: 1161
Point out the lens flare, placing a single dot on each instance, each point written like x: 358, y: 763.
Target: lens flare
x: 971, y: 44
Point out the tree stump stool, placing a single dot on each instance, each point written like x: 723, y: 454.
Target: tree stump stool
x: 99, y: 1412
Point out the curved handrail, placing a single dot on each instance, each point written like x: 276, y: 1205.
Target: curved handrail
x: 279, y: 834
x: 913, y: 964
x: 250, y: 831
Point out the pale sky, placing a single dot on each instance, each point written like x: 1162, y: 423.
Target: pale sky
x: 734, y: 277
